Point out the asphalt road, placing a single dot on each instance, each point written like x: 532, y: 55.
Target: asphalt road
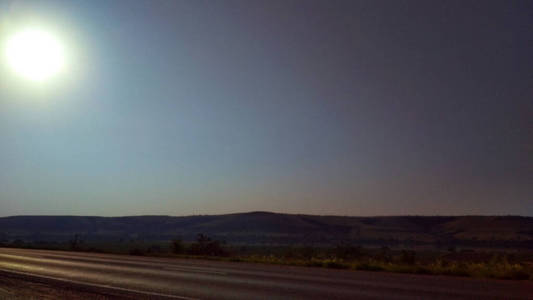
x: 166, y: 278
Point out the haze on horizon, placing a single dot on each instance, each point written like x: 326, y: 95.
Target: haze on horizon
x: 318, y: 107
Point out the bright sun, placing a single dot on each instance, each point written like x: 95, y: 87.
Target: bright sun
x: 35, y: 54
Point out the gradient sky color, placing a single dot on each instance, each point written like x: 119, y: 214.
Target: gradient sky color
x: 321, y: 107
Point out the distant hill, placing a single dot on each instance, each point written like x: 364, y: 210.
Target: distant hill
x: 280, y: 229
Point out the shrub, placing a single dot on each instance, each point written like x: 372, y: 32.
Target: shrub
x: 155, y: 249
x: 369, y: 266
x: 333, y: 264
x: 344, y: 251
x: 177, y: 246
x: 314, y: 263
x: 307, y: 252
x: 136, y: 251
x: 75, y: 243
x: 204, y: 245
x: 408, y: 257
x: 384, y: 254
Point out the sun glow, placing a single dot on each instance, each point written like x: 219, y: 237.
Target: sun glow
x: 35, y: 54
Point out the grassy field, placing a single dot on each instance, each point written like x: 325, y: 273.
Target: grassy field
x: 499, y: 269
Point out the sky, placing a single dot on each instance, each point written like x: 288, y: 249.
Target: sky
x: 320, y: 107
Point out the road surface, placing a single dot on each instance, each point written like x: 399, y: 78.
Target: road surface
x: 130, y: 277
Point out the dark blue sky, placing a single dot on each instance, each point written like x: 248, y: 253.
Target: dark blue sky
x: 323, y: 107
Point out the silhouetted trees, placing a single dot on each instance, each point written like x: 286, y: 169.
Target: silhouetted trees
x: 75, y: 242
x: 204, y: 245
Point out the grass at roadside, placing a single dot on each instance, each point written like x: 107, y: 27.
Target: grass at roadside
x: 495, y: 270
x: 451, y: 262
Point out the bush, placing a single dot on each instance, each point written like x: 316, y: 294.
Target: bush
x: 18, y: 243
x: 75, y: 243
x: 307, y: 252
x: 348, y: 252
x: 369, y: 266
x: 204, y: 245
x: 155, y: 249
x: 335, y: 265
x: 408, y: 257
x: 177, y: 246
x: 384, y: 254
x: 136, y: 251
x: 314, y: 263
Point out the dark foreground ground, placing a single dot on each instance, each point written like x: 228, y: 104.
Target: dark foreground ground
x: 66, y: 275
x: 21, y: 286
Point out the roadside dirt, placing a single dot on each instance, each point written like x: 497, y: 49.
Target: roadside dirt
x: 16, y: 286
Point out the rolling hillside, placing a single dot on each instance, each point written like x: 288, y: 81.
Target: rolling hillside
x: 280, y: 229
